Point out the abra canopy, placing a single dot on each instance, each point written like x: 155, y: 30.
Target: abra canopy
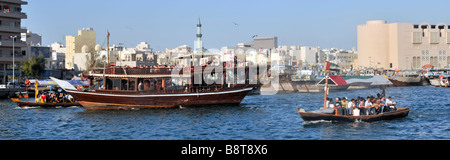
x: 378, y: 80
x: 335, y: 80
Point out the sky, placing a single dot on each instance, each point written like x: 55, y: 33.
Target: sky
x: 172, y: 23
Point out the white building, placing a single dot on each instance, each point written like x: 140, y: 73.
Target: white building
x: 403, y: 45
x: 346, y: 59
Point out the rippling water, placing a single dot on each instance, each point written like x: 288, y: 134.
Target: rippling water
x: 258, y: 117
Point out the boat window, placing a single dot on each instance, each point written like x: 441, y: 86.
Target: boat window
x: 147, y: 84
x: 109, y: 84
x: 116, y: 84
x: 132, y: 85
x: 124, y: 84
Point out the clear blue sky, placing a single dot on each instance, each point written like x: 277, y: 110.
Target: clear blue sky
x: 170, y: 23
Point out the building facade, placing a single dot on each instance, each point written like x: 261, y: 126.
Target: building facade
x: 403, y: 46
x: 75, y: 43
x: 264, y: 42
x: 32, y: 39
x: 10, y: 26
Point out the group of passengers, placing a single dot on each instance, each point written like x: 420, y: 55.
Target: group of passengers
x: 360, y: 106
x: 52, y: 97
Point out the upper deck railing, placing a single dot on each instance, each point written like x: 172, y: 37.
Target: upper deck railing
x: 153, y: 71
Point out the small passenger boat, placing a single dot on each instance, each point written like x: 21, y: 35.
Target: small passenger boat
x: 310, y: 116
x: 329, y: 114
x: 22, y: 104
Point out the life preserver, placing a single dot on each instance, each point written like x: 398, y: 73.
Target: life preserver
x: 27, y: 82
x: 228, y: 64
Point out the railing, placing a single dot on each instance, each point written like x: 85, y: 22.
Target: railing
x: 150, y: 71
x: 182, y: 89
x: 139, y: 71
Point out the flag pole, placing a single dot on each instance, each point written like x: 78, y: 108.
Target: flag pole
x: 327, y: 70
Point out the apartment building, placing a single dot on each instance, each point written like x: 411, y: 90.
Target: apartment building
x: 403, y: 46
x: 10, y: 30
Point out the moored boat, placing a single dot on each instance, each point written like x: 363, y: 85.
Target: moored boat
x: 407, y: 78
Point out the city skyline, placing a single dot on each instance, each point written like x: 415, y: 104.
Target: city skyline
x: 225, y: 23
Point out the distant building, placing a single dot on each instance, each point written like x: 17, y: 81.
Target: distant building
x: 305, y: 55
x: 81, y: 59
x: 58, y: 55
x: 264, y: 42
x: 58, y: 60
x: 145, y: 47
x: 403, y: 45
x: 344, y: 58
x: 75, y: 43
x: 32, y: 39
x: 10, y: 25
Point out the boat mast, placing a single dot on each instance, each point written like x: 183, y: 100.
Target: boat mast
x: 107, y: 61
x: 36, y: 91
x: 327, y: 72
x: 107, y: 44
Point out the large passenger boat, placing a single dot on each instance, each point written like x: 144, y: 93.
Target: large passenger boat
x: 407, y: 78
x: 125, y: 88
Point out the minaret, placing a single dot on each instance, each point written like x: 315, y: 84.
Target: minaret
x: 198, y: 43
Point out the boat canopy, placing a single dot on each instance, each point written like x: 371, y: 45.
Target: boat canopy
x: 377, y: 80
x: 49, y: 82
x: 335, y: 80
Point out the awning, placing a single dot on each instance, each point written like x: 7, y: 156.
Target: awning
x: 49, y: 82
x: 336, y: 80
x: 378, y: 80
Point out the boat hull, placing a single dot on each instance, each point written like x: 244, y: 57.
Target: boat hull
x: 399, y: 113
x: 106, y: 101
x: 402, y: 83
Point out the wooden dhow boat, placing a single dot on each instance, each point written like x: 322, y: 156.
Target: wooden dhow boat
x: 133, y: 88
x: 166, y: 86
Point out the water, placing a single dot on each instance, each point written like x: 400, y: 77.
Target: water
x: 258, y: 117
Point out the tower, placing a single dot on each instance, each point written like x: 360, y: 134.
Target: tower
x: 198, y: 43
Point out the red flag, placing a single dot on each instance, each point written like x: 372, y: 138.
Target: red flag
x: 108, y: 34
x: 328, y: 66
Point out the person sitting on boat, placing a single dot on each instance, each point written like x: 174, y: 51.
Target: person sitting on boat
x: 383, y: 101
x: 391, y: 105
x: 338, y: 106
x: 378, y: 106
x: 61, y: 98
x: 51, y: 97
x: 330, y: 103
x: 362, y: 106
x: 355, y: 111
x: 368, y: 106
x: 372, y: 106
x: 43, y: 98
x: 350, y: 106
x: 344, y: 103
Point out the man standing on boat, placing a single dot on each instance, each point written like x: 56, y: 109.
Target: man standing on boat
x: 141, y: 86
